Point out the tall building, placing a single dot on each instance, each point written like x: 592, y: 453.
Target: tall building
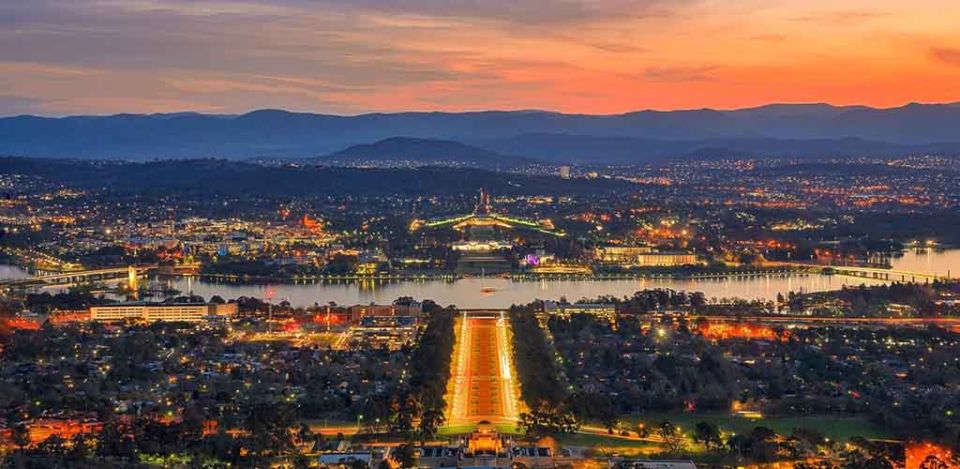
x: 565, y: 172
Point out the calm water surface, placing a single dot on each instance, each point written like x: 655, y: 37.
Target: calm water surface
x: 470, y: 293
x: 8, y: 272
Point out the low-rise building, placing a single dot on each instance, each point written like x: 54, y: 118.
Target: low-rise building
x: 358, y: 312
x: 151, y: 312
x: 344, y: 459
x: 605, y: 311
x: 643, y: 256
x: 666, y: 259
x: 620, y: 254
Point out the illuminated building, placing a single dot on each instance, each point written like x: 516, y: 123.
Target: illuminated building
x: 561, y: 269
x: 604, y: 311
x: 366, y: 268
x: 485, y: 440
x: 483, y: 215
x: 620, y: 254
x: 61, y: 317
x: 359, y: 312
x: 666, y: 259
x: 643, y: 256
x: 483, y: 238
x: 565, y: 172
x: 165, y: 312
x: 383, y: 331
x: 481, y: 246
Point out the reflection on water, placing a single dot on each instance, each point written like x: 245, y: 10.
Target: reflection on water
x: 475, y: 292
x: 929, y: 260
x: 8, y: 272
x: 500, y: 293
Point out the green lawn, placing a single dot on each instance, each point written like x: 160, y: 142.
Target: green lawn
x: 837, y: 428
x: 593, y: 440
x: 505, y: 428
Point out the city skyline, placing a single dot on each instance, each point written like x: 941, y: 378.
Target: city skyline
x: 103, y: 57
x: 527, y: 234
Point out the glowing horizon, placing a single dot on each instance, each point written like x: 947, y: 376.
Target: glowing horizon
x: 574, y: 56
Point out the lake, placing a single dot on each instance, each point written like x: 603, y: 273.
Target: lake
x: 501, y: 293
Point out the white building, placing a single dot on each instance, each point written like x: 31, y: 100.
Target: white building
x: 151, y: 312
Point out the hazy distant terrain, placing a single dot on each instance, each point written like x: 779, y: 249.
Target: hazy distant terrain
x: 202, y: 178
x: 793, y: 130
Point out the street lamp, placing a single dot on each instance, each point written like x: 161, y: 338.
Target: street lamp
x: 359, y: 418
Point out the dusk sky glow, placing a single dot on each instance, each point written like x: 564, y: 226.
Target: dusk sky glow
x: 62, y: 57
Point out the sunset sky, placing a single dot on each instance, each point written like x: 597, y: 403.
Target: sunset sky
x: 351, y: 56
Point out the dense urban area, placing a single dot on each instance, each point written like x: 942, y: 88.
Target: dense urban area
x: 108, y: 360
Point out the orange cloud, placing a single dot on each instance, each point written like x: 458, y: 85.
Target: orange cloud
x: 600, y: 56
x: 946, y: 55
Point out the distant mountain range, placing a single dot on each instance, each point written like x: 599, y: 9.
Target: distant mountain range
x: 778, y: 130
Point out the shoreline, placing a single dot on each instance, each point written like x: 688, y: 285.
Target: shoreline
x: 232, y: 279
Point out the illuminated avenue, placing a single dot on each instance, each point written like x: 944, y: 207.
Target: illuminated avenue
x: 483, y: 386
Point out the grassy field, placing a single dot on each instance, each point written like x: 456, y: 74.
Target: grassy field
x: 833, y: 427
x: 505, y: 428
x: 609, y: 444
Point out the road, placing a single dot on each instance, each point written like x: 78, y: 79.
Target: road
x: 483, y: 385
x: 795, y: 320
x: 867, y: 272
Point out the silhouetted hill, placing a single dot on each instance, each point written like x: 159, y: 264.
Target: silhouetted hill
x: 413, y: 152
x: 200, y: 178
x: 274, y: 133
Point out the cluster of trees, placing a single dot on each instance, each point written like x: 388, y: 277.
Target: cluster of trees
x: 267, y: 430
x: 939, y: 223
x: 902, y: 379
x: 806, y: 447
x: 74, y: 299
x: 420, y: 400
x: 133, y: 381
x: 203, y: 179
x: 257, y: 268
x: 760, y: 444
x: 541, y: 383
x: 867, y: 454
x: 339, y: 264
x: 875, y: 300
x: 644, y: 301
x: 540, y: 379
x: 630, y: 367
x: 547, y: 419
x: 430, y: 368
